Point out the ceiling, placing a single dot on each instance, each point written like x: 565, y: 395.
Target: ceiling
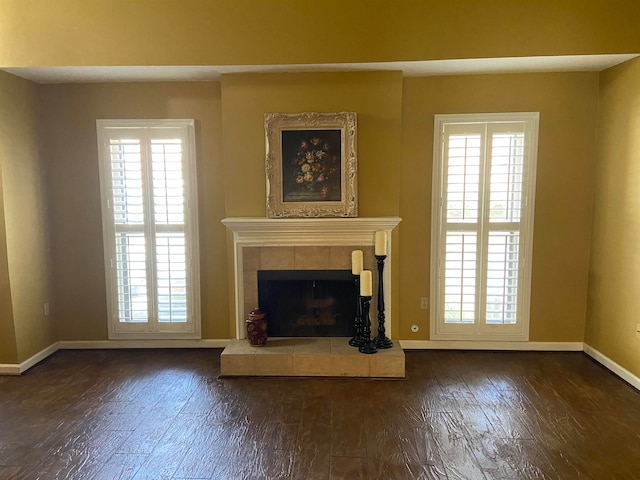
x: 566, y: 63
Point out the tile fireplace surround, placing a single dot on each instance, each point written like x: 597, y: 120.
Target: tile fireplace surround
x: 305, y: 244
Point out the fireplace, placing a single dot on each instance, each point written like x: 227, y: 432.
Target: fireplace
x: 309, y: 244
x: 307, y: 303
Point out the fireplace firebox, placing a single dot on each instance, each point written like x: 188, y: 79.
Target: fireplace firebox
x: 308, y: 303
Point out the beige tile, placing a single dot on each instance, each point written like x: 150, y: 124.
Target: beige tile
x: 395, y: 351
x: 388, y: 362
x: 250, y: 259
x: 237, y: 364
x: 311, y: 258
x: 386, y: 365
x: 350, y: 365
x: 239, y: 347
x: 276, y: 258
x: 313, y: 346
x: 250, y: 293
x: 274, y: 364
x: 310, y: 365
x: 340, y: 257
x: 369, y: 258
x: 277, y: 346
x: 286, y: 341
x: 310, y: 357
x: 340, y: 346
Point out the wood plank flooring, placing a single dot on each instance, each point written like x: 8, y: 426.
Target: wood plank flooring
x: 165, y: 414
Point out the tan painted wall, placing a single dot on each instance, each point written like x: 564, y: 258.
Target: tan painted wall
x: 395, y: 128
x: 240, y: 32
x: 8, y: 347
x: 69, y: 116
x: 25, y: 216
x: 374, y: 96
x: 568, y: 107
x: 614, y: 281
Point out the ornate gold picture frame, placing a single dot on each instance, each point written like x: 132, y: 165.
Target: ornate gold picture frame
x: 311, y: 164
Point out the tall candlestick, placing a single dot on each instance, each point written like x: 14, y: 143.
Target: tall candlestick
x: 356, y: 262
x: 381, y: 243
x: 367, y: 345
x: 381, y: 341
x: 356, y: 340
x: 365, y: 283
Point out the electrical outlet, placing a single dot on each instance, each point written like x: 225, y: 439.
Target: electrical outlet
x: 424, y: 303
x: 46, y: 309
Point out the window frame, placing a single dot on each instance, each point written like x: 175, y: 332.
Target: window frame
x: 151, y: 329
x: 480, y: 330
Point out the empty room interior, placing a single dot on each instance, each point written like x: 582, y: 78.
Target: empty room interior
x: 427, y: 210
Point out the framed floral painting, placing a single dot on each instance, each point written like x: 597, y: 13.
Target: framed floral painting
x: 311, y: 164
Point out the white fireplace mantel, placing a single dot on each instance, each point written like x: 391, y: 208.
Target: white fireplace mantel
x: 307, y: 231
x: 258, y: 232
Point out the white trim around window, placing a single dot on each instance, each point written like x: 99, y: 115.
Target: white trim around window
x: 482, y: 226
x: 150, y: 228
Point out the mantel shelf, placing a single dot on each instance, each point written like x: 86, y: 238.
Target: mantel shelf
x: 308, y: 231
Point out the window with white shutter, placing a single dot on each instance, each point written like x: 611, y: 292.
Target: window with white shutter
x: 482, y: 225
x: 149, y: 217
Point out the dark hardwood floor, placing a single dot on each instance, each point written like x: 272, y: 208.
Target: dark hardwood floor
x: 165, y: 414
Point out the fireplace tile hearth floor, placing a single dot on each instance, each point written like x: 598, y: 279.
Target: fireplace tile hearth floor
x: 310, y: 357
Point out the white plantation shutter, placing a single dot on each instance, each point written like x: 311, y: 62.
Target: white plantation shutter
x: 169, y: 216
x: 482, y: 225
x: 505, y: 213
x: 148, y: 189
x: 128, y: 216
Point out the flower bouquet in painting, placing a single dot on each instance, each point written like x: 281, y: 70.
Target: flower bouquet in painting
x: 311, y: 165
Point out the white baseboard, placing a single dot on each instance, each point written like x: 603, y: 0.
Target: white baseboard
x: 484, y: 345
x: 619, y: 370
x: 20, y: 368
x: 9, y: 369
x: 108, y: 344
x: 38, y: 357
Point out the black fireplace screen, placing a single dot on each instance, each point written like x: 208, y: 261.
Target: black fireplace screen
x: 308, y: 303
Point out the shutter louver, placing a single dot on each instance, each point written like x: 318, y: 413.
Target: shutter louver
x: 131, y: 270
x: 168, y: 192
x: 172, y: 279
x: 463, y: 177
x: 460, y: 277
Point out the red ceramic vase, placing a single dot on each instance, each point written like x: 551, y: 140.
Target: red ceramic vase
x: 257, y: 328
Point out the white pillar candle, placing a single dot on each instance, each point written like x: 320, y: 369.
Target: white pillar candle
x: 365, y: 283
x: 356, y: 262
x: 381, y: 243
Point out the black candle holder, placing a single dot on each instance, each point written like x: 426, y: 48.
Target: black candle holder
x: 356, y: 341
x: 381, y: 341
x: 367, y: 344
